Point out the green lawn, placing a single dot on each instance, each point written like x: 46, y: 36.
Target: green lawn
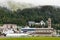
x: 32, y: 38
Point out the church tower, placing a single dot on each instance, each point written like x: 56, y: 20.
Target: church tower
x: 49, y: 22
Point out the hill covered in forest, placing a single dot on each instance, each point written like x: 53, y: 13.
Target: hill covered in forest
x: 21, y: 17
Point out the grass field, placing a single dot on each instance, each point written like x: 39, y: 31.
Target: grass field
x: 31, y: 38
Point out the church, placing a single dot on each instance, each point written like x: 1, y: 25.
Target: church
x: 49, y: 31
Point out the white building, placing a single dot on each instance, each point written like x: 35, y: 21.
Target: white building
x: 10, y: 26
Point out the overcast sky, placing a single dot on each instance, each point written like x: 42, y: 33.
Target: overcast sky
x: 41, y: 2
x: 38, y: 2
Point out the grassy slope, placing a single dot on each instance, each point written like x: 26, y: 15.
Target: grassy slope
x: 32, y: 38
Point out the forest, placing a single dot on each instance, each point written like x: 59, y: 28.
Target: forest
x: 21, y: 17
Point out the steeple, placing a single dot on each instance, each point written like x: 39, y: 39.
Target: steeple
x: 49, y: 22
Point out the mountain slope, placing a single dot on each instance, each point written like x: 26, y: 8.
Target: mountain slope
x: 21, y: 17
x: 12, y: 5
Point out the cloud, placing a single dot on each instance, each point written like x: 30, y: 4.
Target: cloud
x: 35, y: 2
x: 41, y: 2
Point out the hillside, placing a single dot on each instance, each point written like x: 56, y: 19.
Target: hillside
x: 21, y: 17
x: 16, y: 5
x: 12, y: 5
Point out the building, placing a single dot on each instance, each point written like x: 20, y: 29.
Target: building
x: 40, y: 31
x: 10, y: 26
x: 36, y: 31
x: 49, y: 31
